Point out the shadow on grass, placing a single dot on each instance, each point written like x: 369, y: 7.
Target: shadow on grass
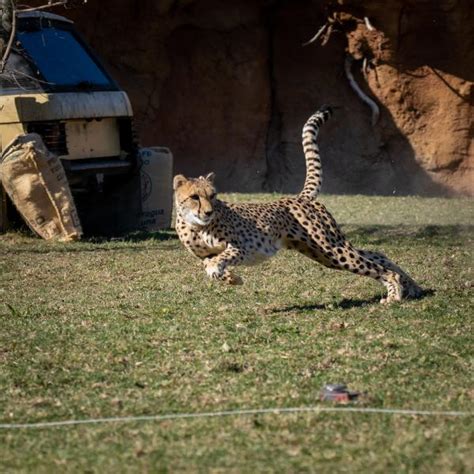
x: 366, y: 234
x: 346, y: 303
x: 381, y: 234
x: 97, y: 243
x: 343, y: 304
x: 136, y: 236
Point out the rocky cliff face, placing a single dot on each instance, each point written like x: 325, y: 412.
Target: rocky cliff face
x: 228, y: 86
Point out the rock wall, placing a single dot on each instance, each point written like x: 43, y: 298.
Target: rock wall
x: 228, y: 85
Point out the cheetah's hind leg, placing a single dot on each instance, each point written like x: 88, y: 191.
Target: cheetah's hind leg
x: 391, y: 281
x: 410, y: 289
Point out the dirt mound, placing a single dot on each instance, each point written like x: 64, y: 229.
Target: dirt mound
x: 228, y: 85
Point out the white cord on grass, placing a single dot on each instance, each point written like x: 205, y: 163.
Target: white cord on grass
x: 256, y: 411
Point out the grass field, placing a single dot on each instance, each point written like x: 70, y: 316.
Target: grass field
x: 133, y: 327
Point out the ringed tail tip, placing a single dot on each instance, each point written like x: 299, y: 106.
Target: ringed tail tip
x: 326, y: 110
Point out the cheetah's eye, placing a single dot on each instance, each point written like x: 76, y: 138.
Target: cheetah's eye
x: 194, y: 197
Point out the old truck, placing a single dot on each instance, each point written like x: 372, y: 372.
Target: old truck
x: 54, y: 85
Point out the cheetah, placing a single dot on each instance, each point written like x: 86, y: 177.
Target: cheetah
x: 225, y: 235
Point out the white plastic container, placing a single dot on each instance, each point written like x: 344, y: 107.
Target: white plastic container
x: 156, y: 178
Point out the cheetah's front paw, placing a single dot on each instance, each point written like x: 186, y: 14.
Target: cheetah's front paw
x: 214, y: 271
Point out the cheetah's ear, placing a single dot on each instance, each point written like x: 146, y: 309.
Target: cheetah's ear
x: 178, y: 181
x: 211, y: 177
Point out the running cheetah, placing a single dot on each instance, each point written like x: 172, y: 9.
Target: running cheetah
x: 224, y: 235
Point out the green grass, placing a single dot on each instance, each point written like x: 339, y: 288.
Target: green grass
x: 133, y: 327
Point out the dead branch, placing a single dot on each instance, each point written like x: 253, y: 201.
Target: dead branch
x: 50, y: 4
x: 373, y: 106
x: 43, y: 7
x: 317, y: 35
x: 368, y: 24
x: 62, y: 3
x: 365, y: 68
x: 15, y: 11
x: 10, y: 40
x: 327, y: 35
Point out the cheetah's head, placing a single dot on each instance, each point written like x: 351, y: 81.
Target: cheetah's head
x: 195, y: 198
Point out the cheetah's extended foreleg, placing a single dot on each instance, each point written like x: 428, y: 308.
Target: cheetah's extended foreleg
x: 217, y: 267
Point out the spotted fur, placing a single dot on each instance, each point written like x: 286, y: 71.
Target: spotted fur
x: 225, y: 235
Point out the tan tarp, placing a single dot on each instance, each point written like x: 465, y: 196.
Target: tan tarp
x: 35, y: 180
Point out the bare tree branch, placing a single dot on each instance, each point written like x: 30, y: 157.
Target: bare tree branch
x: 365, y: 68
x: 317, y: 35
x: 368, y: 24
x: 364, y: 97
x: 43, y: 7
x: 10, y: 40
x: 52, y: 3
x: 327, y: 35
x: 15, y: 11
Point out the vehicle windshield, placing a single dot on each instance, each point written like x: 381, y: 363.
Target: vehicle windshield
x: 50, y: 57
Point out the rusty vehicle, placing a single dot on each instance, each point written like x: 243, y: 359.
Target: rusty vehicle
x: 55, y: 86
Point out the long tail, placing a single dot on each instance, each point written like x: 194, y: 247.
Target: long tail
x: 312, y: 184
